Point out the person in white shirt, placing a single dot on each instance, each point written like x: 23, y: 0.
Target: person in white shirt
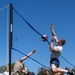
x: 7, y: 71
x: 1, y: 73
x: 55, y: 54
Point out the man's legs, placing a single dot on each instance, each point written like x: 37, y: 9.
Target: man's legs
x: 55, y: 70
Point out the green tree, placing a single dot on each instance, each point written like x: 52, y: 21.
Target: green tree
x: 73, y: 69
x: 2, y: 69
x: 12, y: 66
x: 41, y: 71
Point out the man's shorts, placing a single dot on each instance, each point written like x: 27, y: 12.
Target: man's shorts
x: 55, y: 61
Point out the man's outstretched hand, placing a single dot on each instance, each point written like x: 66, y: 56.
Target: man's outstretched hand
x: 51, y: 27
x: 34, y: 51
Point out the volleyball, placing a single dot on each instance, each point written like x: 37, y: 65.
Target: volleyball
x: 44, y: 38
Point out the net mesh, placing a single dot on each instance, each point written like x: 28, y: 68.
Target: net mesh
x: 25, y: 39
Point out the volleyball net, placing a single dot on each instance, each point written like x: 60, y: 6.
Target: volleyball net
x: 25, y: 40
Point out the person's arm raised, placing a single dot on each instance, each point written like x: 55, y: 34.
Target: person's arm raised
x: 53, y: 33
x: 25, y: 57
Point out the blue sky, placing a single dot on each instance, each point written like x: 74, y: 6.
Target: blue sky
x: 41, y: 14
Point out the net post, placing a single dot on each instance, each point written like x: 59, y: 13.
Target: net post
x: 10, y: 35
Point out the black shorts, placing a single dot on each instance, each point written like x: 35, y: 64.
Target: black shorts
x: 55, y: 61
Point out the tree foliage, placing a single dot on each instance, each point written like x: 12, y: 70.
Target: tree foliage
x: 73, y: 69
x: 2, y: 69
x: 41, y: 71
